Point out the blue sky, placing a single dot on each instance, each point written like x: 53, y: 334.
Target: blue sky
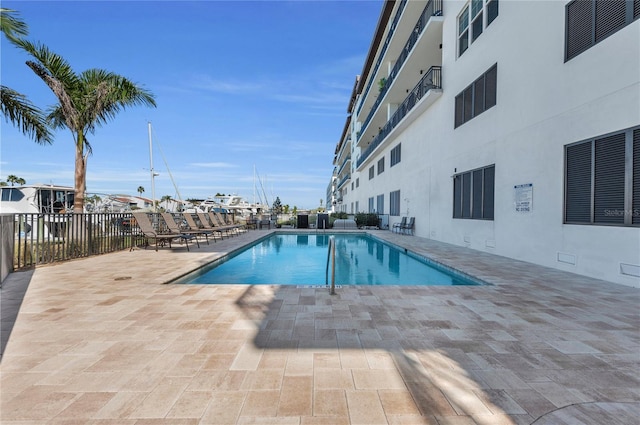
x: 239, y: 84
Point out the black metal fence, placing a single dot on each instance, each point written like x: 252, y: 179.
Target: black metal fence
x: 48, y: 238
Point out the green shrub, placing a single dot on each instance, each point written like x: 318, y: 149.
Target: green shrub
x: 367, y: 219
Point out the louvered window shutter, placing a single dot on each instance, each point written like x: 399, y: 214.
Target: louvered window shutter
x: 636, y: 178
x: 609, y: 179
x: 610, y: 17
x: 578, y: 184
x: 579, y: 27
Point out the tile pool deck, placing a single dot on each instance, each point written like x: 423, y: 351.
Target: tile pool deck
x: 103, y: 341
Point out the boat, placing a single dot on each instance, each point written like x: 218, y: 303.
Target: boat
x: 36, y: 199
x: 229, y: 204
x: 39, y: 209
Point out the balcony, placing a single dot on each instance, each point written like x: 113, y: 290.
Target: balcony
x: 432, y: 80
x: 343, y: 180
x: 383, y: 49
x: 344, y: 163
x: 433, y: 8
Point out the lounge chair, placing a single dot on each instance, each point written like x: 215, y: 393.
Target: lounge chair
x: 408, y: 227
x: 204, y: 220
x: 193, y: 226
x: 224, y: 222
x: 397, y: 227
x: 148, y: 231
x: 174, y: 228
x: 219, y: 224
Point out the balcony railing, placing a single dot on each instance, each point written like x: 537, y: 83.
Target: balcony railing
x: 433, y: 8
x: 383, y: 50
x: 344, y: 180
x: 344, y: 163
x: 431, y: 80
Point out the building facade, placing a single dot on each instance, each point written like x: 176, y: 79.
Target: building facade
x: 511, y: 127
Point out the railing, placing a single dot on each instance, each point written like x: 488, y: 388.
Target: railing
x: 431, y: 80
x: 383, y: 50
x: 331, y: 258
x: 433, y: 8
x: 343, y: 180
x: 344, y: 163
x: 50, y: 237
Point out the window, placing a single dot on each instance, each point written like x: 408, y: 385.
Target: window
x: 395, y: 155
x: 381, y: 165
x: 473, y: 20
x: 394, y: 203
x: 372, y: 172
x: 477, y: 97
x: 473, y: 194
x: 380, y: 204
x: 357, y: 207
x: 590, y: 21
x: 11, y: 194
x: 371, y: 209
x: 358, y: 182
x: 352, y: 185
x: 602, y: 180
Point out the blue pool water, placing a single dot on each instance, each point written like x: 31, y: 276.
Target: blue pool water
x: 301, y: 259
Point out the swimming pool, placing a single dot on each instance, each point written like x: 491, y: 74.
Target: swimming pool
x: 301, y: 259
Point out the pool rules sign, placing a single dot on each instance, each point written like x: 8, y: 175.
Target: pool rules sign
x: 523, y: 197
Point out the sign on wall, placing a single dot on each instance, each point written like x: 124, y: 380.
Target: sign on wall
x: 523, y: 197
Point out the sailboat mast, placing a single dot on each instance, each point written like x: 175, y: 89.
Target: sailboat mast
x: 153, y: 185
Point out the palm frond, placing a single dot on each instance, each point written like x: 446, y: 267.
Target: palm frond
x: 55, y: 64
x: 58, y: 88
x: 18, y: 110
x: 12, y: 27
x: 108, y: 93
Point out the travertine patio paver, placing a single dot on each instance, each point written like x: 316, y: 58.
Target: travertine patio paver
x: 104, y: 341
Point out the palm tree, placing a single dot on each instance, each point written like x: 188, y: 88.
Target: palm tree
x: 165, y: 199
x: 86, y: 101
x: 15, y: 180
x: 140, y: 190
x: 15, y: 106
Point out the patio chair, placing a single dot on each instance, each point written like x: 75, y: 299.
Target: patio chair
x: 206, y: 223
x: 148, y: 231
x: 219, y: 224
x: 174, y: 228
x: 397, y: 227
x: 193, y: 226
x: 408, y: 227
x: 224, y: 222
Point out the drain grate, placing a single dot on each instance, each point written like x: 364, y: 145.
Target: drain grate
x: 317, y: 286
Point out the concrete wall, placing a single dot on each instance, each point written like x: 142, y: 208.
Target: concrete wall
x: 6, y: 245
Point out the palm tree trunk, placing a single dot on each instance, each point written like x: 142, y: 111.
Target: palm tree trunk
x: 80, y: 175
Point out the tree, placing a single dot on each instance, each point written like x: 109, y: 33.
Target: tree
x: 86, y: 101
x: 277, y: 206
x: 140, y: 190
x: 15, y: 180
x: 165, y: 199
x: 15, y: 106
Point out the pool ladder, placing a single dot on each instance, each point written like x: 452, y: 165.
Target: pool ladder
x: 331, y: 257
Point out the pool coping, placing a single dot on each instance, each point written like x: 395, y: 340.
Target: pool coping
x: 438, y: 265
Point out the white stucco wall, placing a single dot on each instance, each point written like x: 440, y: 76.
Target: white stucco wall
x: 543, y: 104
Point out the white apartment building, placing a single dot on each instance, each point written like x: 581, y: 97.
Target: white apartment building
x: 506, y: 126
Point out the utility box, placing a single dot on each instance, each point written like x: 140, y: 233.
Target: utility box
x: 303, y: 221
x: 323, y: 221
